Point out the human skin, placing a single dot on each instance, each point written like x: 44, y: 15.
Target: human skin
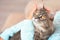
x: 1, y: 38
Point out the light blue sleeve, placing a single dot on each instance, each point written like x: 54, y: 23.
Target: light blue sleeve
x: 27, y: 31
x: 10, y: 31
x: 56, y: 22
x: 26, y: 27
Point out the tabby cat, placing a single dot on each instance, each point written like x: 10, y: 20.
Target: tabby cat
x: 43, y: 26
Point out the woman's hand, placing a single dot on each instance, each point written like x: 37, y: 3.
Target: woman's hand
x: 1, y: 38
x: 30, y: 8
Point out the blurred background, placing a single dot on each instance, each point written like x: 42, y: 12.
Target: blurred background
x: 8, y: 6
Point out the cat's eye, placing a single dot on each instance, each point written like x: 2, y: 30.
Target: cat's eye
x: 43, y: 17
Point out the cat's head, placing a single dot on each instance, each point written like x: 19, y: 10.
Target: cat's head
x: 40, y: 18
x: 40, y: 14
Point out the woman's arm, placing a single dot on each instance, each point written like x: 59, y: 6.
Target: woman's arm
x: 12, y: 19
x: 15, y: 28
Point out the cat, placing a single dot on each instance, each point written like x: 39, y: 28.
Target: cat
x: 43, y: 25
